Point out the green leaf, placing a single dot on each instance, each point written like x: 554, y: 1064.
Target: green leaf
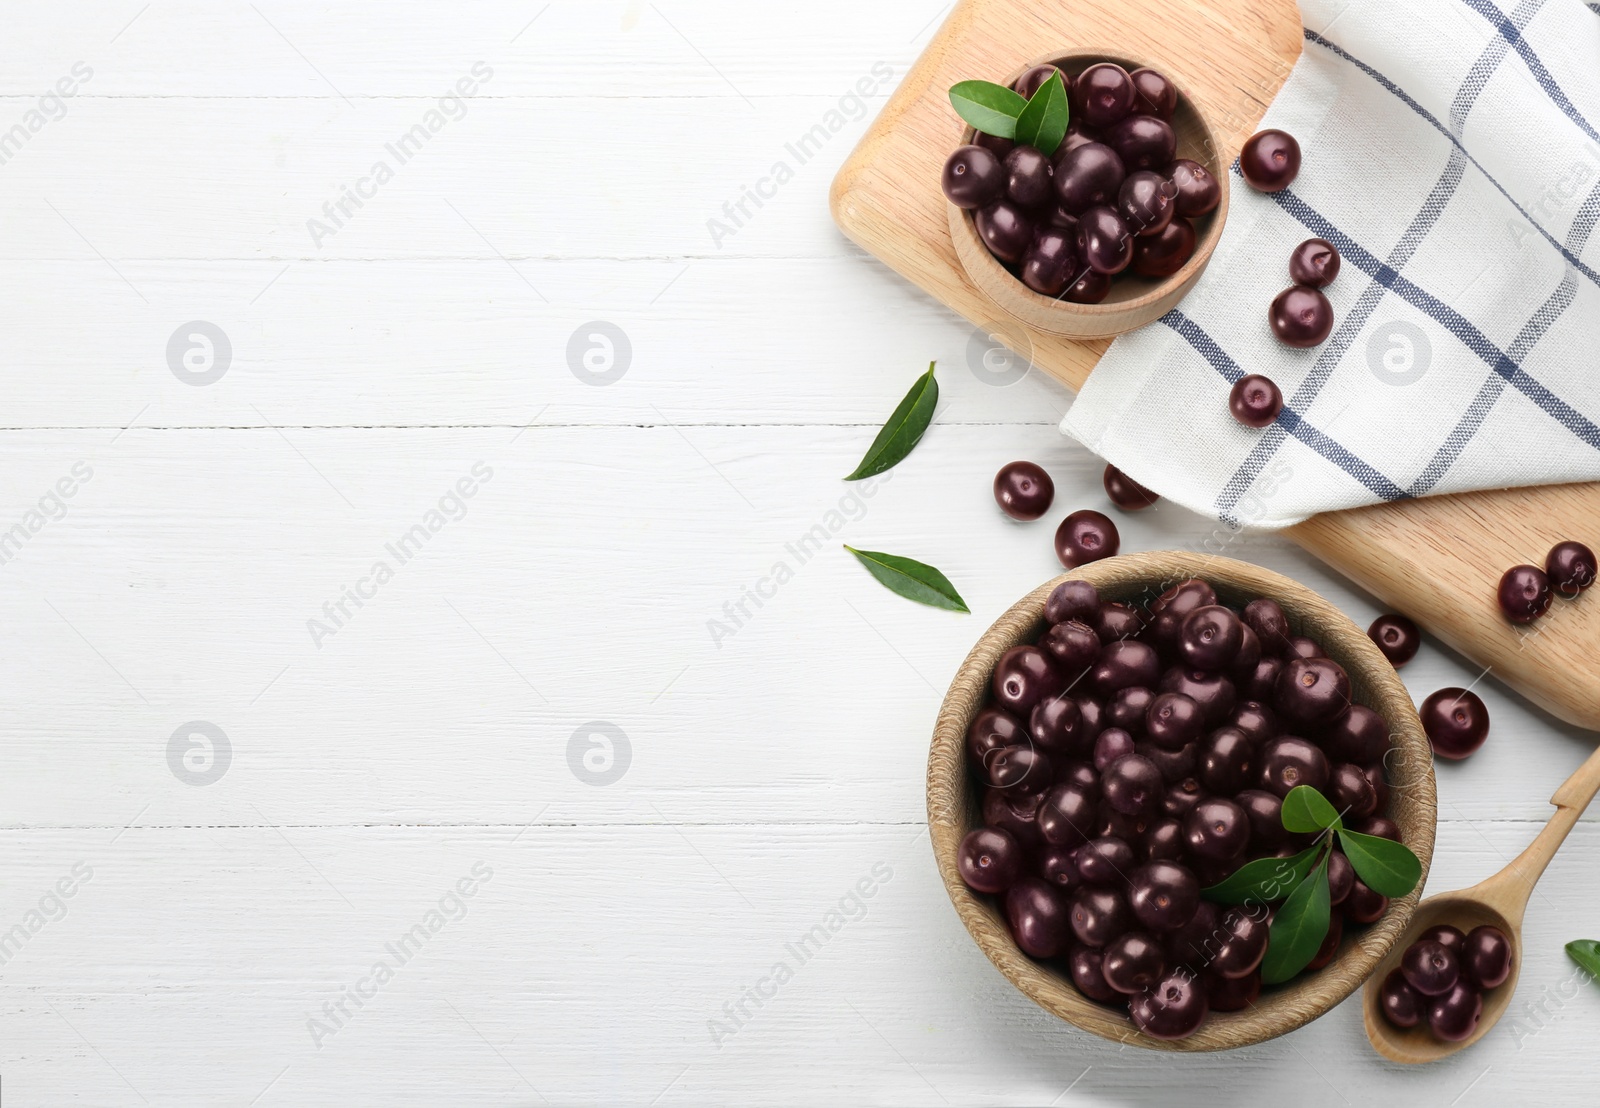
x: 1299, y: 928
x: 912, y: 579
x: 991, y: 108
x: 903, y: 430
x: 1585, y: 952
x: 1043, y: 123
x: 1263, y: 880
x: 1305, y: 811
x: 1386, y: 866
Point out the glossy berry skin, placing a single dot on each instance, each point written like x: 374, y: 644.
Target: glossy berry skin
x: 991, y: 730
x: 1313, y: 691
x: 1105, y: 861
x: 1058, y: 867
x: 1020, y: 771
x: 1350, y: 792
x: 1457, y: 722
x: 1265, y: 617
x: 1073, y: 599
x: 1125, y: 492
x: 1128, y: 707
x: 1090, y: 288
x: 1023, y: 490
x: 1194, y: 944
x: 1153, y: 94
x: 1524, y: 593
x: 973, y: 177
x: 1314, y: 262
x: 1263, y: 681
x: 1006, y: 229
x: 1086, y: 965
x: 1172, y: 607
x: 1053, y: 725
x: 1164, y: 253
x: 1030, y: 178
x: 1210, y: 637
x: 1255, y: 401
x: 1341, y: 878
x: 1382, y: 827
x: 1163, y: 841
x: 989, y: 860
x: 1364, y: 905
x: 1102, y: 95
x: 997, y: 146
x: 1109, y: 745
x: 1163, y: 895
x: 1265, y: 811
x: 1199, y: 191
x: 1217, y: 830
x: 1066, y: 816
x: 1023, y: 676
x: 1051, y: 263
x: 1451, y: 938
x: 1099, y: 915
x: 1302, y: 647
x: 1143, y: 142
x: 1430, y: 968
x: 1401, y: 1004
x: 1173, y: 720
x: 1330, y: 944
x: 1233, y: 995
x: 1258, y: 722
x: 1106, y: 243
x: 1291, y: 761
x: 1031, y: 81
x: 1360, y: 736
x: 1301, y: 316
x: 1486, y: 958
x: 1125, y: 664
x: 1133, y: 785
x: 1397, y: 637
x: 1088, y: 175
x: 1118, y: 622
x: 1213, y: 692
x: 1174, y: 1009
x: 1270, y: 160
x: 1145, y: 202
x: 1086, y: 536
x: 1133, y: 962
x: 1571, y: 568
x: 1454, y: 1016
x: 1226, y: 760
x: 1038, y: 915
x: 1072, y: 645
x: 1243, y: 945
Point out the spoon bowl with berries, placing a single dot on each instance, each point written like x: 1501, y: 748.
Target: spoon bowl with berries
x: 1181, y: 801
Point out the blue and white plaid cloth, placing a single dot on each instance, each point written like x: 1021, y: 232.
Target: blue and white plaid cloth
x: 1452, y: 154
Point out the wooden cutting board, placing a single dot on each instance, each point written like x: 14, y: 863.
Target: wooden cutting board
x: 1437, y: 560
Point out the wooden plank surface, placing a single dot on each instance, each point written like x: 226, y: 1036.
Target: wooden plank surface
x: 1438, y: 560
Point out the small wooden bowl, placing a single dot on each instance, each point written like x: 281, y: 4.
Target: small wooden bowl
x: 1133, y: 301
x: 953, y: 800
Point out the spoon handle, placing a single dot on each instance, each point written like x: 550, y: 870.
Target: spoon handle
x: 1509, y: 889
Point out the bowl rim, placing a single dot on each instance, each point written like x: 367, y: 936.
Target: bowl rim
x: 1000, y: 285
x: 1413, y: 802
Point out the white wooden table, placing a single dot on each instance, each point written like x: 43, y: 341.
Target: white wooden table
x: 447, y: 732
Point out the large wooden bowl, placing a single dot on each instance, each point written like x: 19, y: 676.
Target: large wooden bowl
x: 1133, y: 301
x: 953, y: 801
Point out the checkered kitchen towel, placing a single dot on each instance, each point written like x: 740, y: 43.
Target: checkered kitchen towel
x: 1452, y: 154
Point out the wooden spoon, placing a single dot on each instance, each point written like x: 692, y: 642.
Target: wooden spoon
x: 1499, y: 901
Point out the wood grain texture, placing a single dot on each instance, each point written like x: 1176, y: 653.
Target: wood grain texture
x: 1437, y: 560
x: 953, y: 804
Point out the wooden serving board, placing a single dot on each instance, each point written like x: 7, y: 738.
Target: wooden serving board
x: 1437, y: 560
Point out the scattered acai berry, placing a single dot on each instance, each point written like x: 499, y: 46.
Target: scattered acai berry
x: 1571, y: 568
x: 1456, y: 722
x: 1442, y: 978
x: 1301, y: 316
x: 1314, y: 262
x: 1125, y: 492
x: 1397, y: 637
x: 973, y: 177
x: 1023, y: 490
x: 1524, y: 593
x: 1255, y: 401
x: 1086, y: 536
x: 1270, y: 160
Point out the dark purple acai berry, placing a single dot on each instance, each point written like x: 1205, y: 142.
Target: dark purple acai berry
x: 1006, y: 229
x: 1199, y: 191
x: 1088, y: 175
x: 1397, y: 637
x: 1486, y: 957
x: 1430, y: 968
x: 993, y: 729
x: 1054, y: 723
x: 1571, y: 568
x: 1313, y: 691
x: 1143, y: 142
x: 1524, y: 593
x: 1163, y: 895
x: 1456, y: 721
x: 1301, y: 316
x: 1072, y: 645
x: 1291, y: 761
x: 1451, y: 938
x: 1243, y: 942
x: 1270, y: 160
x: 1030, y: 179
x: 1217, y: 830
x: 1265, y: 617
x: 1360, y: 736
x: 1099, y: 915
x: 1174, y: 1009
x: 1102, y: 95
x: 1133, y: 962
x: 973, y: 177
x: 1400, y: 1003
x: 1023, y: 490
x: 1023, y: 676
x: 1255, y: 401
x: 1454, y: 1016
x: 1227, y: 758
x: 1124, y: 664
x: 1086, y: 964
x: 1341, y: 878
x: 1128, y: 707
x: 1038, y: 915
x: 1213, y: 692
x: 989, y: 860
x: 1051, y: 263
x: 1109, y: 745
x: 1349, y: 790
x: 1091, y: 288
x: 1066, y: 816
x: 1133, y: 785
x: 1145, y: 202
x: 1105, y: 861
x: 1032, y: 79
x: 1073, y: 599
x: 1364, y: 904
x: 1086, y: 536
x: 1173, y: 720
x: 1210, y: 637
x: 1164, y: 253
x: 1020, y: 770
x: 1153, y: 94
x: 1314, y: 262
x: 1106, y: 243
x: 1125, y: 492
